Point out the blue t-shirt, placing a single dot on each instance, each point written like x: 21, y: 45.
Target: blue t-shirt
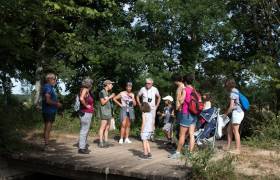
x: 47, y: 108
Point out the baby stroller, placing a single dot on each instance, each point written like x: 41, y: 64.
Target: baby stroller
x: 212, y: 127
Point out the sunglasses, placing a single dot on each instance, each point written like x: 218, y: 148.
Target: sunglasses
x: 148, y: 83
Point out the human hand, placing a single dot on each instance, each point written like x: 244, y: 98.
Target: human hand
x: 112, y: 95
x: 88, y: 106
x: 58, y: 104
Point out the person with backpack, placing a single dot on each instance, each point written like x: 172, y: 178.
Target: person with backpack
x: 179, y: 82
x: 106, y: 112
x: 237, y: 115
x: 50, y: 105
x: 85, y: 114
x: 126, y: 103
x: 188, y: 116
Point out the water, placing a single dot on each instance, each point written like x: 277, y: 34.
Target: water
x: 40, y: 176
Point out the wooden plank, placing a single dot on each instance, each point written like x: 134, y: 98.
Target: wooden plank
x: 120, y: 160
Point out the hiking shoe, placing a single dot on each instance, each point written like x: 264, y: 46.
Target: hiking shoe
x: 176, y: 155
x: 144, y: 157
x: 149, y: 155
x: 127, y: 141
x: 121, y: 141
x: 83, y: 151
x: 106, y: 144
x: 101, y: 145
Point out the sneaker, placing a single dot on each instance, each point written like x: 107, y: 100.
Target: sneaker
x: 176, y: 155
x: 48, y: 148
x: 106, y: 144
x: 127, y: 141
x: 121, y: 141
x: 83, y: 151
x: 144, y: 157
x: 199, y: 143
x: 149, y: 155
x: 101, y: 144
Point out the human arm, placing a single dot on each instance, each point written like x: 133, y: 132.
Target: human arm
x: 230, y: 108
x: 83, y: 96
x: 133, y: 99
x: 116, y: 99
x: 158, y: 99
x: 105, y: 99
x: 138, y: 98
x: 49, y: 101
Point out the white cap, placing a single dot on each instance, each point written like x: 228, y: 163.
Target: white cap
x: 170, y: 98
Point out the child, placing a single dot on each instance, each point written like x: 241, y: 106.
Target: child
x: 168, y: 115
x: 147, y: 130
x: 207, y: 105
x: 206, y: 100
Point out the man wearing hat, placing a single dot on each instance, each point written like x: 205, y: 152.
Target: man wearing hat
x: 106, y: 112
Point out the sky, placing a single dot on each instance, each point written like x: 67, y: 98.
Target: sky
x: 18, y: 86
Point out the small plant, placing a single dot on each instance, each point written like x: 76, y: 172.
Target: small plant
x: 205, y: 167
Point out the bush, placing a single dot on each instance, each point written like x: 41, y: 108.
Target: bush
x: 15, y: 118
x: 267, y: 133
x: 203, y: 166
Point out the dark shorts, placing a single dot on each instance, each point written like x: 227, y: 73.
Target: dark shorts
x: 49, y: 117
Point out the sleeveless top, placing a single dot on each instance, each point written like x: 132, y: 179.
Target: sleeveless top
x: 126, y: 100
x: 185, y: 106
x: 89, y: 101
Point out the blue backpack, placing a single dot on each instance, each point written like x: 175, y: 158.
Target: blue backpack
x: 245, y: 104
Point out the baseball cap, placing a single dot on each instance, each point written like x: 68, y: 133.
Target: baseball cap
x: 168, y: 98
x: 108, y: 82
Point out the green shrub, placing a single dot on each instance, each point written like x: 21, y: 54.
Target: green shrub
x: 203, y: 166
x: 266, y: 133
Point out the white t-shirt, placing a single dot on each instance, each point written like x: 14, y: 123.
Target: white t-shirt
x: 207, y: 105
x: 149, y: 95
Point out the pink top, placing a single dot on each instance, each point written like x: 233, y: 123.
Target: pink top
x: 185, y: 108
x: 89, y: 101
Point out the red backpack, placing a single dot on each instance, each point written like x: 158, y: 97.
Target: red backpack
x: 196, y: 105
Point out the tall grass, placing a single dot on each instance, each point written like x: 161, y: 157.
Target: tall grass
x: 266, y: 132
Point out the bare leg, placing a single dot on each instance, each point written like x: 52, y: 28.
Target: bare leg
x: 182, y: 137
x: 235, y: 128
x: 123, y: 128
x: 128, y: 123
x: 106, y: 131
x: 47, y: 130
x: 145, y: 148
x: 192, y: 140
x: 229, y: 136
x: 148, y: 147
x: 102, y: 129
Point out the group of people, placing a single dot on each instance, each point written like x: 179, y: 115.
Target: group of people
x: 148, y: 99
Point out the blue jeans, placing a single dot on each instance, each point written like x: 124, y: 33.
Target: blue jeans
x: 85, y: 125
